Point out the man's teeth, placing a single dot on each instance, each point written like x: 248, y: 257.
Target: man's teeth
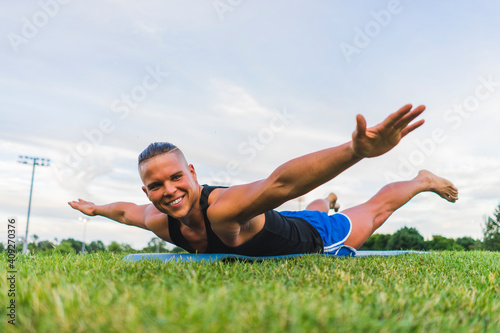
x: 175, y: 201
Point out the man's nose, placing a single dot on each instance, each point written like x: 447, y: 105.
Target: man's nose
x: 169, y: 189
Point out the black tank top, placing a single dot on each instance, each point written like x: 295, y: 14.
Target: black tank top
x: 280, y: 235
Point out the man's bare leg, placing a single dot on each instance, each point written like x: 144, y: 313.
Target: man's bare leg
x: 324, y: 205
x: 368, y: 217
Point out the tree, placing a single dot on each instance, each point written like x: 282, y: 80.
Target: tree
x: 32, y: 248
x: 381, y: 242
x: 65, y: 247
x: 96, y: 246
x: 406, y: 239
x: 376, y: 242
x: 76, y: 245
x: 156, y: 245
x: 491, y: 231
x: 35, y: 239
x: 443, y: 243
x: 469, y: 243
x: 127, y: 248
x: 45, y: 246
x: 115, y: 247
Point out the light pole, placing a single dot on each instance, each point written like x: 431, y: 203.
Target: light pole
x: 35, y: 161
x: 84, y: 220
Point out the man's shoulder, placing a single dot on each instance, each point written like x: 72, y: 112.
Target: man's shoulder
x: 213, y: 192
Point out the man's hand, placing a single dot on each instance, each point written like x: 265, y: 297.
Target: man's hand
x: 86, y: 207
x: 377, y: 140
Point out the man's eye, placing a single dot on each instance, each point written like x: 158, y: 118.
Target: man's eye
x: 176, y: 177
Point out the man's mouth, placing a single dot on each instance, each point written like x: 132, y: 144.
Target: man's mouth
x: 175, y: 202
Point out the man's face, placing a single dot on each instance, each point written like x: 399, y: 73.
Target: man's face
x: 170, y: 184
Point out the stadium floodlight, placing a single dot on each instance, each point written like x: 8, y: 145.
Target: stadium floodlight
x: 33, y: 161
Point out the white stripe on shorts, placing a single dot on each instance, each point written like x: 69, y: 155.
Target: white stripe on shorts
x: 333, y: 247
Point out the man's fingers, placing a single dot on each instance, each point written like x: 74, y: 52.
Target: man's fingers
x: 360, y: 125
x: 84, y: 201
x: 78, y: 204
x: 397, y: 116
x: 73, y: 204
x: 408, y: 118
x: 412, y: 127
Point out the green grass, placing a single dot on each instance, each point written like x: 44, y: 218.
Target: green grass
x: 442, y: 292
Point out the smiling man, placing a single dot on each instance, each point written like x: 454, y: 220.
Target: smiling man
x: 241, y: 219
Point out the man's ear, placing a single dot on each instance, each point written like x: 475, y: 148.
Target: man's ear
x: 145, y: 190
x: 193, y: 172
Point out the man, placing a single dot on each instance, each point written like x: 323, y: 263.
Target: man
x: 241, y: 219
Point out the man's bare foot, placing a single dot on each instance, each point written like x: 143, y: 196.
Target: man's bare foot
x: 332, y: 202
x: 444, y: 188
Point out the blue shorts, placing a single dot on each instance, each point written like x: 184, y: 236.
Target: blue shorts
x: 334, y: 229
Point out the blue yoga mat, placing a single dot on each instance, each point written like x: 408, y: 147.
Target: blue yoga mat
x: 210, y: 257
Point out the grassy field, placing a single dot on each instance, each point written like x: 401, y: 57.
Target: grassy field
x: 441, y: 292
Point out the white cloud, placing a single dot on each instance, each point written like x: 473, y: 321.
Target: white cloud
x: 234, y: 101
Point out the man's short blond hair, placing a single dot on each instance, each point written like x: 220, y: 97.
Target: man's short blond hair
x: 155, y: 149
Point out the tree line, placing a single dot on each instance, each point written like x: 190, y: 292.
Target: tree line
x: 71, y: 245
x: 404, y: 239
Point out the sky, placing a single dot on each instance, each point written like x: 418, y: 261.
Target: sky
x: 242, y: 87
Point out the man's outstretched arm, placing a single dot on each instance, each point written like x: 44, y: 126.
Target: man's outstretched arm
x: 305, y: 173
x: 123, y: 212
